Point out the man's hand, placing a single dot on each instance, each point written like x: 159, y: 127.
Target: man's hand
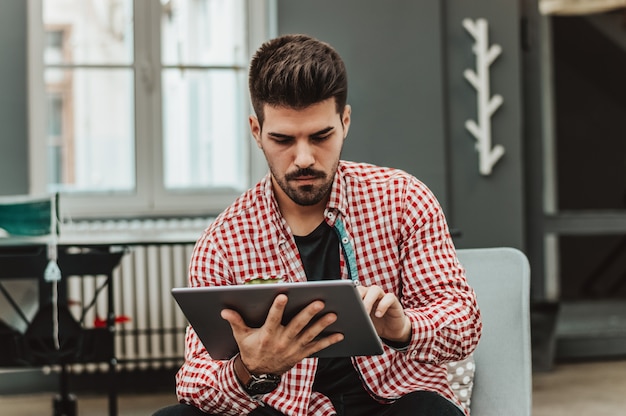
x: 274, y: 348
x: 386, y: 313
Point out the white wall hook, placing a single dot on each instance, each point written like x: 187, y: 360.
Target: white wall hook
x: 486, y: 105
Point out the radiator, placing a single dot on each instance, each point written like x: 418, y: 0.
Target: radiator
x: 153, y: 335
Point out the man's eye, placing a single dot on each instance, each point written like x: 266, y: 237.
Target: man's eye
x: 321, y: 138
x: 282, y: 140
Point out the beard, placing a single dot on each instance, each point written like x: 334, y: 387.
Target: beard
x: 305, y: 195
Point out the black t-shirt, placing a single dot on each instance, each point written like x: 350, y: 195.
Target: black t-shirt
x: 319, y: 252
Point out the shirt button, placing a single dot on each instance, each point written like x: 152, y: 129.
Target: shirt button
x: 330, y: 215
x: 345, y: 240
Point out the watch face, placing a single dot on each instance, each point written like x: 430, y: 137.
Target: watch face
x: 263, y: 384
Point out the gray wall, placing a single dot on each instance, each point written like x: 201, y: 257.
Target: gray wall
x: 410, y: 101
x: 13, y: 98
x: 489, y: 210
x: 392, y: 51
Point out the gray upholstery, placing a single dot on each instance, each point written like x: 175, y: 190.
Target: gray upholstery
x: 501, y: 279
x: 503, y: 379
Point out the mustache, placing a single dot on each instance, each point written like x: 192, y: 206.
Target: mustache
x: 308, y: 172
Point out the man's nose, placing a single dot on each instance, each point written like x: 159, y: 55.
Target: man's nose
x: 304, y: 155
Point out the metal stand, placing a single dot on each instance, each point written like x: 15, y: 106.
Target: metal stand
x: 64, y: 404
x: 91, y: 344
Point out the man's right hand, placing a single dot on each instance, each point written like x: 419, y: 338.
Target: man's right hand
x: 275, y: 348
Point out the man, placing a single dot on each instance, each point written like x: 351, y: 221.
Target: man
x: 316, y: 217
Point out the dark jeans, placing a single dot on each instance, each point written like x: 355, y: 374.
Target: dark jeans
x: 423, y: 403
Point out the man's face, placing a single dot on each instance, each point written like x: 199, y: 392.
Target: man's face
x: 302, y: 148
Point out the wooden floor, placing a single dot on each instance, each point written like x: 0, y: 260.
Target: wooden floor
x: 581, y: 389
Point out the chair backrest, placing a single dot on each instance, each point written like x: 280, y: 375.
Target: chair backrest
x: 503, y: 378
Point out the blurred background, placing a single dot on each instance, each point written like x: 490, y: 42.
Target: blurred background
x: 135, y: 114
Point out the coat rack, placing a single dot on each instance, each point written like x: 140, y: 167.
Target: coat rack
x: 486, y: 105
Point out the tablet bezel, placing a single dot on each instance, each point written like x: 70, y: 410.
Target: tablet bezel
x: 202, y: 307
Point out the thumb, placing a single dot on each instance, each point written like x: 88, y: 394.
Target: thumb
x: 234, y: 319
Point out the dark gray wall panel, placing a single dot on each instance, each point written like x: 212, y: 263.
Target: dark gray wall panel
x: 13, y: 96
x: 392, y: 50
x: 489, y: 210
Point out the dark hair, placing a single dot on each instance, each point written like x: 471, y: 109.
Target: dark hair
x: 296, y: 71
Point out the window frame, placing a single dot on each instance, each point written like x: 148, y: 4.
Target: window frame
x: 150, y: 198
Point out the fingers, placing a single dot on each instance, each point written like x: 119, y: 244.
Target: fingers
x: 304, y: 318
x: 233, y: 318
x: 309, y: 339
x: 237, y: 324
x: 376, y: 301
x: 321, y: 343
x: 385, y: 304
x: 387, y: 313
x: 296, y: 340
x: 274, y: 318
x: 298, y: 323
x: 303, y: 331
x: 275, y: 315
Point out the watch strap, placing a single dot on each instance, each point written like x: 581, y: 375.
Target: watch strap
x: 241, y: 371
x: 254, y: 384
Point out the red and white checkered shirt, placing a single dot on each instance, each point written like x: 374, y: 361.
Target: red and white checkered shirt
x: 400, y: 242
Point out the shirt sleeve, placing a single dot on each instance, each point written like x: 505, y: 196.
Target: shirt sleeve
x: 437, y: 298
x: 208, y: 384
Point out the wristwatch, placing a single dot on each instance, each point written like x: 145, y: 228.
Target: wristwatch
x: 255, y: 384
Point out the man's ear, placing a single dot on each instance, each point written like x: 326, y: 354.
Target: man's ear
x: 345, y: 120
x: 255, y: 129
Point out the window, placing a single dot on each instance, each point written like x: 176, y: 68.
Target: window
x: 140, y: 107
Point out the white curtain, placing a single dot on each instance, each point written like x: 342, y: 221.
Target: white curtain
x: 579, y: 6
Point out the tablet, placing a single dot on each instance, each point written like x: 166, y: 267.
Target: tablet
x: 202, y: 307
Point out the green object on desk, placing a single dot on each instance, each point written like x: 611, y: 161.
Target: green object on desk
x: 261, y: 281
x: 26, y: 216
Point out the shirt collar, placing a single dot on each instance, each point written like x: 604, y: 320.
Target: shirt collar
x: 266, y: 188
x: 338, y: 203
